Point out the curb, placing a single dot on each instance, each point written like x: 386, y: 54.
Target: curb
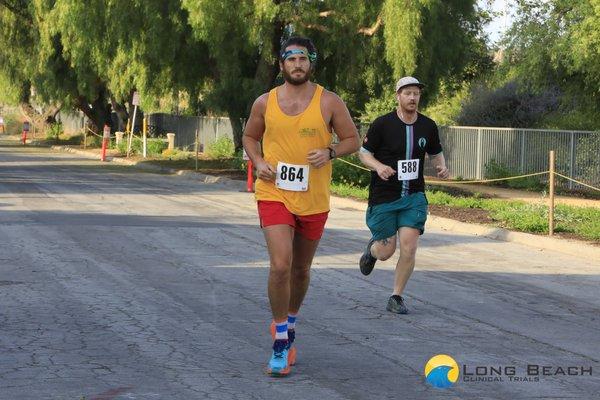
x: 184, y: 173
x: 568, y: 246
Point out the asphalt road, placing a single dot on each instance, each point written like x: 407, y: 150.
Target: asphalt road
x: 121, y: 284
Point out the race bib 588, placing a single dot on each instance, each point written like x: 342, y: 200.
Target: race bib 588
x: 408, y: 169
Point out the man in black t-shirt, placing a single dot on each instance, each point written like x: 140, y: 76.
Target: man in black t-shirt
x: 394, y: 149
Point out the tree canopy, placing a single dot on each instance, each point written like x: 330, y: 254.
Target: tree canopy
x: 218, y: 56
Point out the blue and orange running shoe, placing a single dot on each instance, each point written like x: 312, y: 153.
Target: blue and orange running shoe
x: 291, y: 348
x: 278, y: 364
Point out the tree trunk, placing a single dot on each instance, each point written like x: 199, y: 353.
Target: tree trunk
x: 122, y: 114
x: 40, y: 120
x: 98, y: 112
x: 238, y: 128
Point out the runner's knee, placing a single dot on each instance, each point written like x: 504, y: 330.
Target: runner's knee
x: 385, y: 248
x: 386, y: 252
x: 280, y: 271
x: 301, y: 272
x: 408, y: 249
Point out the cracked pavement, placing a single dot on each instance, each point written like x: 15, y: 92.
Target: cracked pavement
x: 121, y: 284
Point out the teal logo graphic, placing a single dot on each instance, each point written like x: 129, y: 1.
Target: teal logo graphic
x: 441, y: 371
x: 422, y: 142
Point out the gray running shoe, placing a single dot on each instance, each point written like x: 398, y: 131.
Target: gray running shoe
x: 367, y: 261
x: 396, y: 305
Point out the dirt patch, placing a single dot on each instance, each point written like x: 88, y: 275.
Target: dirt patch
x: 462, y: 214
x: 459, y: 192
x: 573, y: 236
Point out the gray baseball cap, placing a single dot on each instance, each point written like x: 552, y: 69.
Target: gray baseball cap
x: 408, y: 81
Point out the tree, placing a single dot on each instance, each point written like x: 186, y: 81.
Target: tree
x: 143, y: 45
x: 243, y: 40
x: 351, y: 37
x: 17, y: 68
x: 556, y: 44
x: 222, y: 54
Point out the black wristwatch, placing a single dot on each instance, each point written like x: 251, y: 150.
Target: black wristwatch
x: 332, y: 154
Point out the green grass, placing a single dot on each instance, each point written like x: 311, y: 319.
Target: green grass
x: 190, y: 163
x: 344, y: 190
x: 510, y: 214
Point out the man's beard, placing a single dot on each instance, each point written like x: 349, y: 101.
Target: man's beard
x: 296, y: 81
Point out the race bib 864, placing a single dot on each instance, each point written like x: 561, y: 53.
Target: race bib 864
x: 292, y: 177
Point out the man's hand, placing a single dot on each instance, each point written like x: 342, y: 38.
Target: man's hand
x: 385, y: 172
x: 318, y: 157
x: 442, y: 172
x: 265, y: 171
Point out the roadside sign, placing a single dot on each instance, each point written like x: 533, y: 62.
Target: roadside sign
x: 136, y: 99
x: 106, y: 133
x: 245, y: 156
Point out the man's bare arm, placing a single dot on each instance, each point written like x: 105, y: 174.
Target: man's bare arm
x: 344, y: 127
x: 369, y: 160
x: 255, y: 128
x: 439, y: 163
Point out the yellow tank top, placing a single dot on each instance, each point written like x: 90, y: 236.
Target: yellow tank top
x: 288, y: 139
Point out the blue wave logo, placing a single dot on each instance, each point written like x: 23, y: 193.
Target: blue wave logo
x: 441, y: 371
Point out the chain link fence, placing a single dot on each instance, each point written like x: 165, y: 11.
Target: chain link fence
x: 468, y: 150
x: 209, y: 129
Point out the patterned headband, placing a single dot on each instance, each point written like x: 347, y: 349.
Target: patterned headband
x: 312, y: 57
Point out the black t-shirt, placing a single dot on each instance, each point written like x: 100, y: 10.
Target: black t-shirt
x: 391, y: 140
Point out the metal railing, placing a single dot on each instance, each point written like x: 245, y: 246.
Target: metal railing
x: 184, y: 128
x: 469, y: 150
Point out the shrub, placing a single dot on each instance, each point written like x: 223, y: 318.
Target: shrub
x: 510, y: 105
x: 221, y: 148
x: 155, y: 147
x: 94, y: 141
x: 122, y: 147
x: 495, y: 170
x: 12, y: 125
x: 136, y: 146
x: 378, y: 106
x: 347, y: 174
x: 447, y: 106
x: 54, y: 131
x: 176, y: 154
x: 74, y: 139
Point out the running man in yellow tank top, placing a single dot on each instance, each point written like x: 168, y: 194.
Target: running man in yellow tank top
x: 295, y: 123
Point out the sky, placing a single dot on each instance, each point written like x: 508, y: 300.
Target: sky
x: 500, y: 23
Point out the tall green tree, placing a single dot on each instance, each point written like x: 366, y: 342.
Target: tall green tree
x: 556, y: 42
x: 19, y: 41
x: 363, y: 46
x: 555, y: 45
x: 143, y: 45
x: 243, y: 40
